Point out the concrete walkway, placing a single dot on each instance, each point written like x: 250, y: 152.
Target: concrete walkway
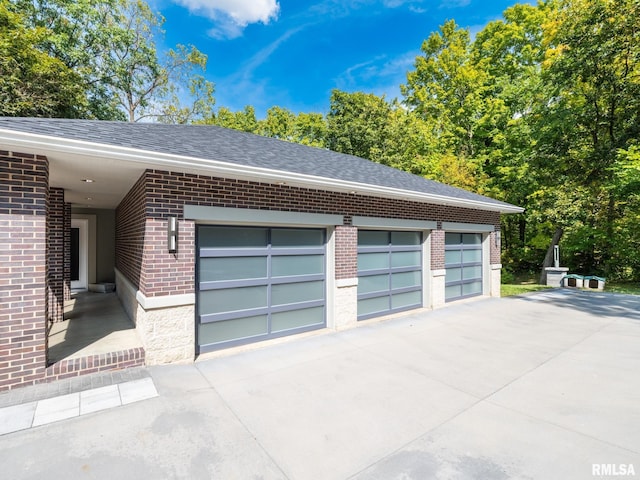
x: 544, y: 386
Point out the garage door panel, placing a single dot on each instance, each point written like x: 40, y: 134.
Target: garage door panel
x: 232, y: 268
x: 372, y: 237
x: 406, y: 279
x: 373, y: 283
x: 267, y: 277
x: 287, y: 293
x: 371, y: 306
x: 291, y: 265
x: 296, y: 238
x: 463, y: 265
x: 474, y: 272
x: 474, y: 288
x: 404, y: 300
x: 232, y: 299
x: 236, y: 329
x: 220, y: 237
x: 406, y: 238
x: 373, y: 261
x: 282, y: 321
x: 470, y: 256
x: 389, y: 272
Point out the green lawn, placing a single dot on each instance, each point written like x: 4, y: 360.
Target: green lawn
x: 506, y: 290
x: 630, y: 288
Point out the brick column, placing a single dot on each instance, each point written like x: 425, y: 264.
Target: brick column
x: 346, y: 273
x: 56, y: 254
x: 437, y: 249
x: 67, y: 252
x: 346, y: 252
x: 23, y: 257
x: 438, y: 272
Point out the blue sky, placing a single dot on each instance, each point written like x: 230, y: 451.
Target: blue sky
x: 292, y: 53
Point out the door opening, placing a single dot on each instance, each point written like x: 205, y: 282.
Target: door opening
x: 79, y: 254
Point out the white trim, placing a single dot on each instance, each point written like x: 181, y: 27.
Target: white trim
x: 252, y: 216
x: 150, y: 303
x: 486, y: 265
x: 439, y: 273
x: 330, y: 263
x: 44, y: 144
x: 346, y: 282
x: 427, y: 288
x: 496, y: 266
x: 393, y: 223
x: 467, y: 227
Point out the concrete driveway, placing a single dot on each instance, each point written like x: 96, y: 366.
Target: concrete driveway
x: 545, y: 386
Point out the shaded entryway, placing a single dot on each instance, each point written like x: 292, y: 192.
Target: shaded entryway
x: 94, y: 324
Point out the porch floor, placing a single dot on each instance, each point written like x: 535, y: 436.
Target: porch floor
x: 94, y: 323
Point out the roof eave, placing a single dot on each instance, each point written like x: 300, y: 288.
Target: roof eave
x: 46, y: 145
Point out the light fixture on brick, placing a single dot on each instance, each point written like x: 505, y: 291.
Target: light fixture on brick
x: 172, y: 234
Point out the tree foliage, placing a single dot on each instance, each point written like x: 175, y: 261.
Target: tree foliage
x: 33, y: 83
x: 111, y: 46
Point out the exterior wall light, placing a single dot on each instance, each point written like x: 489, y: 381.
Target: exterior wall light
x: 172, y: 234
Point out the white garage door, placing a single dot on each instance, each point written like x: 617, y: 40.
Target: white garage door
x: 463, y: 264
x: 257, y: 283
x: 389, y: 272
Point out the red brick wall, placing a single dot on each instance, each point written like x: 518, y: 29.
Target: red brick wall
x: 23, y: 248
x: 346, y: 251
x: 160, y: 194
x: 67, y: 252
x: 437, y: 249
x: 130, y: 230
x: 165, y: 273
x: 495, y: 248
x: 56, y: 254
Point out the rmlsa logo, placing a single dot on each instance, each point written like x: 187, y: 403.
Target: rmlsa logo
x: 613, y: 469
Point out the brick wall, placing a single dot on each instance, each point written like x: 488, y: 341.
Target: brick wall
x: 437, y: 249
x: 56, y: 254
x: 130, y: 230
x: 495, y: 248
x: 67, y: 252
x: 160, y: 194
x: 346, y: 252
x: 23, y: 248
x: 165, y: 273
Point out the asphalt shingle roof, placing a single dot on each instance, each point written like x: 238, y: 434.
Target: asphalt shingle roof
x: 221, y: 144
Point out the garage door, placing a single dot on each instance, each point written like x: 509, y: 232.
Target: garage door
x: 389, y: 272
x: 258, y: 283
x: 463, y: 264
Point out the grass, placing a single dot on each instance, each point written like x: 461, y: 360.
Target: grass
x: 507, y: 290
x: 630, y: 288
x: 527, y: 285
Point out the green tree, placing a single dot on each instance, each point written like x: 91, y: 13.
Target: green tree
x: 357, y: 123
x: 243, y: 120
x: 111, y: 44
x: 33, y: 83
x: 592, y: 68
x: 447, y: 90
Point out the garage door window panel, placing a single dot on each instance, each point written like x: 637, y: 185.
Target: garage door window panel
x: 241, y: 328
x: 290, y: 320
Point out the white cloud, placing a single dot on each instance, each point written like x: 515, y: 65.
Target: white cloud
x: 231, y: 16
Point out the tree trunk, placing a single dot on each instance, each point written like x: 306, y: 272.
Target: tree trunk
x: 548, y: 258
